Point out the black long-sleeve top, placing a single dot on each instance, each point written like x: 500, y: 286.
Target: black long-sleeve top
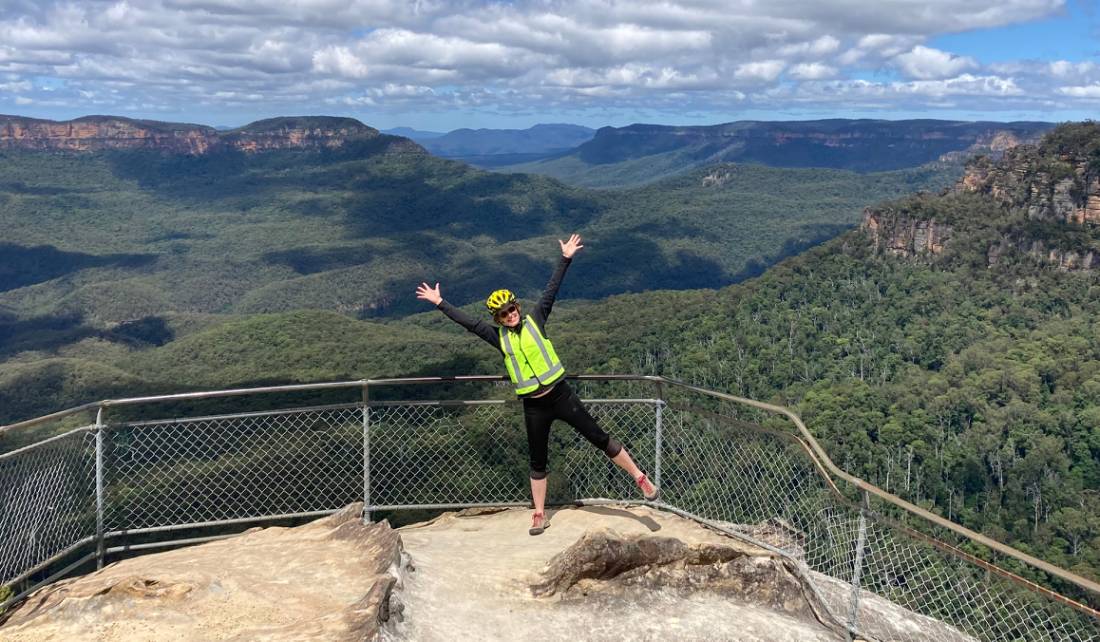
x: 488, y: 331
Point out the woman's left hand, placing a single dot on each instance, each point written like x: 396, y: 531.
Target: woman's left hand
x: 570, y: 247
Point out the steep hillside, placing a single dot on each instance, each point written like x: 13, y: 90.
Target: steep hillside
x: 625, y: 156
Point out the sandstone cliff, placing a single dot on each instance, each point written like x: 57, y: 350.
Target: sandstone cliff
x: 902, y: 233
x: 1041, y: 201
x: 98, y: 133
x: 1047, y: 184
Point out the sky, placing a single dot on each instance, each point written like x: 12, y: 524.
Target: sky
x: 438, y: 66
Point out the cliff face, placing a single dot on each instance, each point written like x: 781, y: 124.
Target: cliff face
x: 1066, y: 260
x: 97, y: 133
x: 860, y: 145
x: 1041, y: 201
x: 1053, y: 185
x: 900, y: 233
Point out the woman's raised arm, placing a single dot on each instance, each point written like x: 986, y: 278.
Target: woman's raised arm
x: 429, y: 294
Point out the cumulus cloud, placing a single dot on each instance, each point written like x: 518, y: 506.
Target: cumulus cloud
x: 766, y: 70
x: 815, y: 48
x: 926, y: 63
x: 812, y: 71
x: 1082, y: 91
x: 1067, y: 69
x: 509, y: 55
x: 964, y: 85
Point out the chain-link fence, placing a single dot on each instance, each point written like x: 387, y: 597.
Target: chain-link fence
x: 873, y: 568
x: 48, y: 491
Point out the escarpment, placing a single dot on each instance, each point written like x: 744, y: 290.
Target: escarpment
x: 1056, y: 180
x: 900, y: 232
x: 1038, y: 201
x: 99, y: 133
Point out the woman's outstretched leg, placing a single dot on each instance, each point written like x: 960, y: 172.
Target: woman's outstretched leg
x: 626, y: 462
x: 570, y: 409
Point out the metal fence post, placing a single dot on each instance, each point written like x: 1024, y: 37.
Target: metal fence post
x: 366, y: 454
x: 99, y: 427
x: 659, y: 435
x: 857, y: 567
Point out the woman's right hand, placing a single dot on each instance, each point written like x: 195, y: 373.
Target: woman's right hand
x: 426, y: 292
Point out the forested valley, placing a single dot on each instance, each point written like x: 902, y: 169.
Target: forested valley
x: 948, y: 350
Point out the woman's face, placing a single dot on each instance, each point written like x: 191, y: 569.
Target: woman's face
x: 509, y: 316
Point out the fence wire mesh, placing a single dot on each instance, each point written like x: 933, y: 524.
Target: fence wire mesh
x: 49, y: 502
x: 737, y: 466
x: 425, y: 455
x: 232, y: 467
x: 763, y: 485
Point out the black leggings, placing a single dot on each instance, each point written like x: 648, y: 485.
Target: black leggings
x: 560, y: 403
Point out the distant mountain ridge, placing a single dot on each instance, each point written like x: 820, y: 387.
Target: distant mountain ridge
x: 415, y: 134
x: 99, y: 133
x: 837, y: 143
x: 618, y: 156
x: 496, y: 147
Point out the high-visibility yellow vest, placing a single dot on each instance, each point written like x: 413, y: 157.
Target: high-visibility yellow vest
x: 529, y: 357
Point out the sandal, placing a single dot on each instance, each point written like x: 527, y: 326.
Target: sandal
x: 644, y: 484
x: 539, y: 523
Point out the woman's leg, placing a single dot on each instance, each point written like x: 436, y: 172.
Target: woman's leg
x: 570, y: 409
x: 537, y: 418
x: 538, y: 494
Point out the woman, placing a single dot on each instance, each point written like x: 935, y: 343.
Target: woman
x: 539, y: 377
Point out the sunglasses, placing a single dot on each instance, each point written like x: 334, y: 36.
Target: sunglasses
x: 503, y: 312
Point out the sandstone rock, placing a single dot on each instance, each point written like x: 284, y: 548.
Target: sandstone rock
x: 901, y: 235
x: 601, y: 573
x: 1024, y: 179
x: 719, y: 176
x: 602, y: 561
x: 1047, y: 181
x: 332, y: 579
x: 97, y: 133
x: 474, y: 577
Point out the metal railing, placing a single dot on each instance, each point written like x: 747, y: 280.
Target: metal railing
x: 127, y: 482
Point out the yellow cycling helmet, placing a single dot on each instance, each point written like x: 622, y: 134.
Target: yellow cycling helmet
x: 498, y: 299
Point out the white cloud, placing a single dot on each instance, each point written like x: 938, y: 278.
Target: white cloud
x: 339, y: 61
x: 16, y: 86
x: 1086, y: 91
x: 392, y: 90
x: 812, y: 71
x: 628, y: 76
x: 512, y: 55
x: 877, y: 47
x: 926, y: 63
x: 766, y: 70
x: 1065, y: 68
x: 815, y: 48
x: 964, y: 85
